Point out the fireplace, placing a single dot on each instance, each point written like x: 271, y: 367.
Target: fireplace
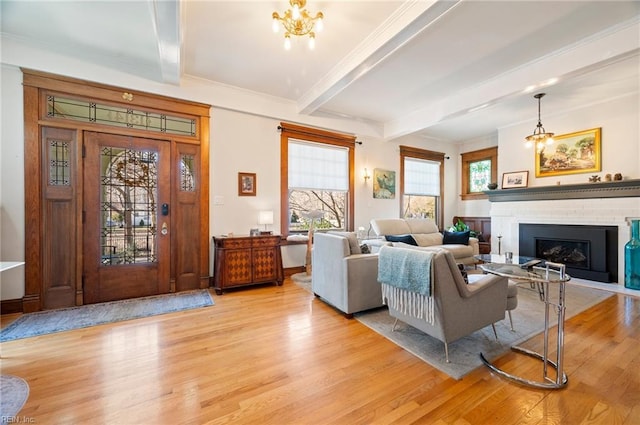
x: 589, y: 252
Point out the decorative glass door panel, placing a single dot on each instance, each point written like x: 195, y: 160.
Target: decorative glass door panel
x: 128, y: 193
x: 126, y: 231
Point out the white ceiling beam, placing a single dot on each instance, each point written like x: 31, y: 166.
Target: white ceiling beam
x: 405, y: 23
x: 166, y: 21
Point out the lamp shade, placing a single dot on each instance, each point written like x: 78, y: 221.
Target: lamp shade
x: 265, y: 217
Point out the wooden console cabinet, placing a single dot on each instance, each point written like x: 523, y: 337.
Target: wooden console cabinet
x: 246, y: 260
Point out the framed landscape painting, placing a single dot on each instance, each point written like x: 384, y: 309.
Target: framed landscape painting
x: 571, y: 153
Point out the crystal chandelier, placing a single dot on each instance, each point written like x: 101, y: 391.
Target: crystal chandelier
x: 297, y: 21
x: 540, y: 137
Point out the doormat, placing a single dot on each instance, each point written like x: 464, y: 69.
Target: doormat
x: 65, y: 319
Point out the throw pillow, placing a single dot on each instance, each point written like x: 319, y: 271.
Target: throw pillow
x: 461, y: 238
x: 364, y: 248
x: 408, y: 239
x: 354, y: 246
x: 463, y: 271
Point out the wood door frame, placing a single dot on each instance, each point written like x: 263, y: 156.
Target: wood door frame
x: 36, y: 85
x: 129, y: 279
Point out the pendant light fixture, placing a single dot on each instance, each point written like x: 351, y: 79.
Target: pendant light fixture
x: 540, y: 136
x: 297, y: 21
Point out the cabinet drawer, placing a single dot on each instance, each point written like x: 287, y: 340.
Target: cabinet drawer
x: 262, y: 241
x: 235, y: 243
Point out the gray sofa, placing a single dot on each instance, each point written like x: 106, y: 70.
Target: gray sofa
x: 458, y: 309
x: 342, y: 276
x: 425, y: 233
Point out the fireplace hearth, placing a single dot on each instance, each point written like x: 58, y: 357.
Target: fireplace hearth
x: 589, y: 252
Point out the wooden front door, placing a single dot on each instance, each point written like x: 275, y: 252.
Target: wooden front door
x: 126, y: 239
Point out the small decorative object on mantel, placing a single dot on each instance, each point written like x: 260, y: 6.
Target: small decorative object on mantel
x: 492, y: 185
x: 594, y: 179
x: 607, y: 177
x: 617, y: 177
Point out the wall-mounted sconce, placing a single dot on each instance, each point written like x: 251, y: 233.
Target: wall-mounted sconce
x: 366, y: 176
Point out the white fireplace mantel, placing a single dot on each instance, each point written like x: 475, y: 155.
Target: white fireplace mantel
x: 506, y: 216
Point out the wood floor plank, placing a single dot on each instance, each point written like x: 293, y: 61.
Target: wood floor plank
x: 279, y: 355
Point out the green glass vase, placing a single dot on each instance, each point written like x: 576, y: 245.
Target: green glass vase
x: 632, y: 257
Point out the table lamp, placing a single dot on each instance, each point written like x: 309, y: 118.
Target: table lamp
x: 266, y: 218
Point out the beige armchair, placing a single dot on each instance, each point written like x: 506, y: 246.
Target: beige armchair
x: 342, y: 276
x: 458, y: 309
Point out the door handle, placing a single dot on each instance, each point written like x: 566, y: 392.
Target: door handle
x: 165, y: 228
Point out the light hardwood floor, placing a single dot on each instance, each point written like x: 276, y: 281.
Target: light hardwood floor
x: 277, y: 355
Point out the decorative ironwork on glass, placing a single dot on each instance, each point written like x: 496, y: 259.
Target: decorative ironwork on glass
x: 128, y: 206
x: 59, y: 170
x: 187, y: 180
x: 81, y: 110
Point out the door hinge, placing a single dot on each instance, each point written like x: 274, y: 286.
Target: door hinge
x: 84, y: 151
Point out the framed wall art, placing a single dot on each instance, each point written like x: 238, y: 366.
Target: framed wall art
x: 515, y: 179
x: 246, y: 184
x: 572, y: 153
x: 384, y: 184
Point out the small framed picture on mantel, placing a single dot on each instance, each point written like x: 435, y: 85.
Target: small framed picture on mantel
x: 515, y: 179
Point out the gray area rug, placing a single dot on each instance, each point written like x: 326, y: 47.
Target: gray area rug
x: 51, y: 321
x: 464, y: 354
x: 14, y: 392
x: 302, y: 279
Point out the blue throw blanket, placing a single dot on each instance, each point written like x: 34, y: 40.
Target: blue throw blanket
x: 407, y: 269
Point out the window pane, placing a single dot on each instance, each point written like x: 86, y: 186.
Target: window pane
x: 86, y: 111
x: 59, y: 166
x: 417, y: 206
x: 421, y: 177
x: 331, y: 203
x: 317, y: 166
x: 187, y: 163
x: 129, y: 189
x: 479, y: 175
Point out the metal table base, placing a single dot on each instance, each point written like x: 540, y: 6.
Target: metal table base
x: 560, y: 380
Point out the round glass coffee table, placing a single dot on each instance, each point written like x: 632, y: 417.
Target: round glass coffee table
x: 543, y: 276
x: 502, y: 259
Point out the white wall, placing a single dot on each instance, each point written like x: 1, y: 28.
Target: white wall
x: 620, y: 122
x: 249, y: 142
x: 242, y: 142
x: 11, y: 182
